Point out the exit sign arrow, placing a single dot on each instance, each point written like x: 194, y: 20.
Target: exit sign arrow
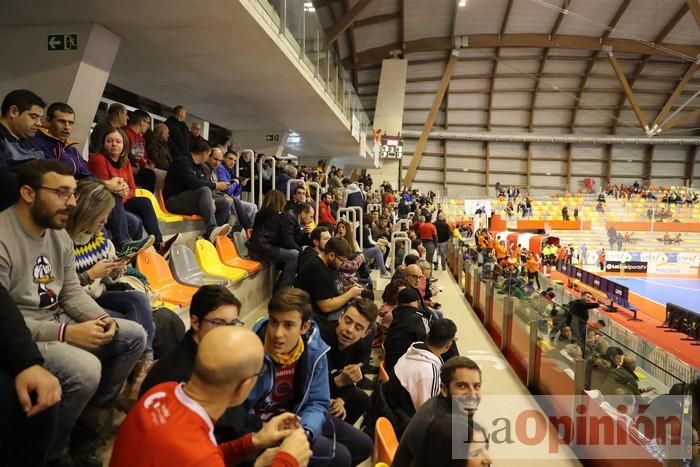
x: 55, y: 42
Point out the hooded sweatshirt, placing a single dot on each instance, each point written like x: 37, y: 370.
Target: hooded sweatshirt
x: 418, y: 371
x: 64, y: 151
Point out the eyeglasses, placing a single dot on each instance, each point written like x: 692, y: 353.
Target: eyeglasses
x: 222, y: 322
x: 62, y: 193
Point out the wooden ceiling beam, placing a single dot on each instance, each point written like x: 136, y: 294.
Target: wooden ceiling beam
x: 494, y: 66
x: 545, y: 54
x: 660, y: 37
x: 628, y: 91
x: 377, y: 19
x: 690, y: 158
x: 694, y: 7
x: 353, y: 48
x: 346, y: 21
x: 529, y: 40
x: 676, y: 93
x: 594, y: 58
x: 428, y: 126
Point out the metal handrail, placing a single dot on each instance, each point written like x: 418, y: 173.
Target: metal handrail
x: 318, y: 197
x: 274, y: 174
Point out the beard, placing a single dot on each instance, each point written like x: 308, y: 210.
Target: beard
x: 50, y: 220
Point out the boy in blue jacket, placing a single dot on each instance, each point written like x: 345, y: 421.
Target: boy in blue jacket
x: 296, y: 380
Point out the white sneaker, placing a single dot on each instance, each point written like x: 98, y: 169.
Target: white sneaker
x: 220, y: 230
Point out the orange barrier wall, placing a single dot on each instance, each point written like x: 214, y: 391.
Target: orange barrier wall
x: 555, y: 225
x: 498, y: 224
x: 658, y: 226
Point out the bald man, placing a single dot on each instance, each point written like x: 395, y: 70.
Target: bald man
x: 173, y: 423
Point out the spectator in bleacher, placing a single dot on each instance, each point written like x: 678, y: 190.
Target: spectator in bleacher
x: 196, y: 134
x: 410, y: 324
x: 297, y: 380
x: 460, y: 382
x: 113, y: 161
x: 417, y: 371
x: 117, y: 116
x: 179, y: 141
x: 565, y: 213
x: 245, y: 174
x: 576, y: 213
x: 188, y: 190
x: 37, y: 266
x: 29, y: 394
x: 578, y: 315
x: 443, y: 236
x: 427, y: 233
x: 54, y: 140
x: 286, y: 173
x: 319, y: 237
x: 532, y: 267
x: 325, y: 213
x: 320, y: 279
x: 157, y: 146
x: 352, y: 195
x: 276, y: 236
x: 141, y: 165
x: 212, y: 306
x: 298, y: 197
x: 20, y: 120
x: 99, y: 268
x: 371, y: 250
x: 601, y: 259
x: 173, y: 425
x: 226, y: 172
x: 346, y: 357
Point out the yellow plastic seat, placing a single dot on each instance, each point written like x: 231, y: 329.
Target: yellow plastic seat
x: 161, y: 215
x: 209, y: 261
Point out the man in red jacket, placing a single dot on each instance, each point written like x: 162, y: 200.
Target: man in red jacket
x: 173, y: 423
x: 325, y: 215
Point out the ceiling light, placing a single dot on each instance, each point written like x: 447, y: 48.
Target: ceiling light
x: 462, y: 3
x: 308, y: 4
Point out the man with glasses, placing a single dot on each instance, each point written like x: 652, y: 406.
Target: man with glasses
x: 297, y: 381
x: 172, y: 424
x: 88, y: 351
x: 20, y: 119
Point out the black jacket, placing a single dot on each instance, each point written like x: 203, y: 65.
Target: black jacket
x: 338, y: 359
x: 13, y: 152
x: 178, y: 366
x: 443, y: 231
x: 272, y: 231
x: 17, y: 349
x: 579, y: 309
x: 409, y: 325
x: 179, y: 141
x: 185, y: 175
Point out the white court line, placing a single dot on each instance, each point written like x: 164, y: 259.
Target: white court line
x: 665, y: 285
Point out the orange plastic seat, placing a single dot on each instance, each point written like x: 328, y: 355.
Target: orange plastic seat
x: 161, y: 202
x: 210, y: 263
x: 155, y: 268
x: 385, y: 442
x: 383, y: 375
x: 230, y: 257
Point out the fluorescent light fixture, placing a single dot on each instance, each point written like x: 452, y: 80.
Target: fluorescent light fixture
x: 462, y: 3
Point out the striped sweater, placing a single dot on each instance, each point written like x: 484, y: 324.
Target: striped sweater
x: 89, y: 250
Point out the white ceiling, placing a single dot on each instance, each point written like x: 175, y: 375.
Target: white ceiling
x: 211, y: 56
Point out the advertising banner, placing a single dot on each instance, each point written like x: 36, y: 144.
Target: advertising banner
x: 631, y: 266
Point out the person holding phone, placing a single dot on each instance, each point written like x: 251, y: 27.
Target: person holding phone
x: 98, y: 269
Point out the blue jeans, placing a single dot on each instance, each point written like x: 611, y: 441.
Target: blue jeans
x: 352, y: 446
x: 289, y: 258
x: 90, y: 376
x: 376, y: 254
x: 123, y: 225
x: 132, y: 305
x: 442, y: 253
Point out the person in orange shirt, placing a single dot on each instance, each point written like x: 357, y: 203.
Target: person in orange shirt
x: 173, y: 423
x: 500, y: 251
x: 517, y: 252
x: 601, y: 259
x: 532, y: 268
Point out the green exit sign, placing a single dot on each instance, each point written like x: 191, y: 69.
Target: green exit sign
x: 62, y: 42
x: 272, y: 138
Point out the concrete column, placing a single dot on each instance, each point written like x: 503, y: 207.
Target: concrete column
x: 61, y: 63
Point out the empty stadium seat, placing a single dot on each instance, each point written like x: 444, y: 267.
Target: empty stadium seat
x: 210, y: 263
x: 160, y: 214
x: 186, y: 270
x: 385, y: 442
x: 161, y: 202
x: 230, y: 257
x: 153, y: 266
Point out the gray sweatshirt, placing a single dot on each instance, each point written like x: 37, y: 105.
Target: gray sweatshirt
x: 40, y: 275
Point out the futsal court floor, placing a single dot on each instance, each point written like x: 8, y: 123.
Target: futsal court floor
x: 682, y: 292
